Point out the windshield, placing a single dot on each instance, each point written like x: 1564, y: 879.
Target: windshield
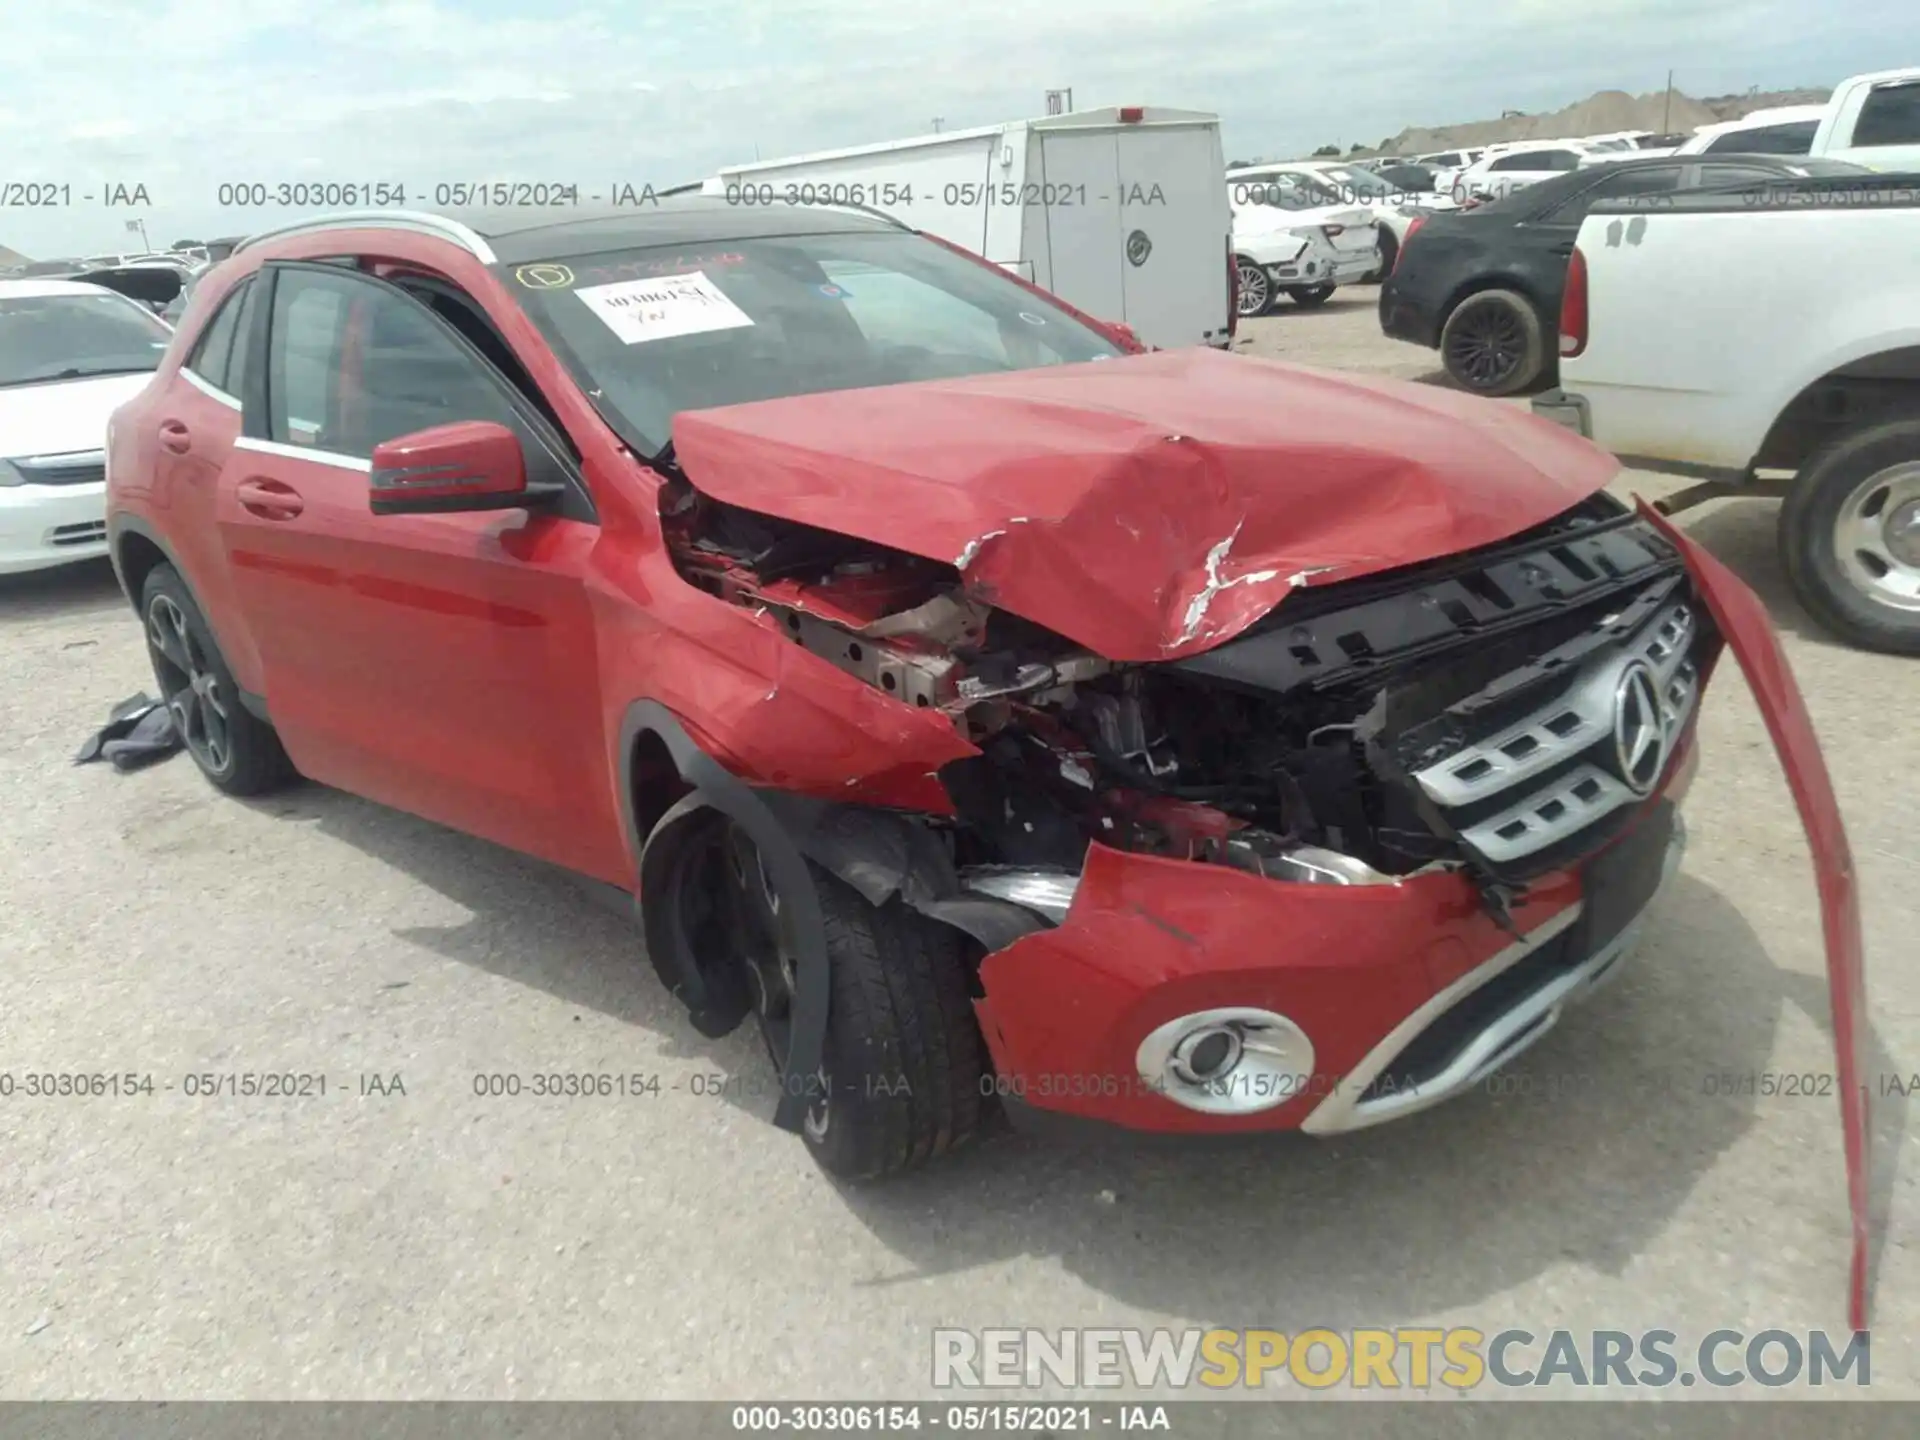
x: 70, y: 337
x: 651, y: 332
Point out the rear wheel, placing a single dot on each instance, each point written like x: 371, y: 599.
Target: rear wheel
x: 1493, y: 343
x: 1389, y: 251
x: 234, y: 748
x: 1850, y: 536
x: 905, y: 1063
x: 1308, y: 296
x: 1255, y: 291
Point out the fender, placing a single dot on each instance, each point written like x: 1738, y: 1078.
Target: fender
x: 879, y: 853
x: 125, y: 524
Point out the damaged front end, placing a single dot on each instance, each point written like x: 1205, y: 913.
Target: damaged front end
x: 1458, y: 715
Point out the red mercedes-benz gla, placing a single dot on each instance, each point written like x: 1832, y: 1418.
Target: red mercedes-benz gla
x: 996, y: 713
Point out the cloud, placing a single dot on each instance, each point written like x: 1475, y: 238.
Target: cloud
x: 184, y: 96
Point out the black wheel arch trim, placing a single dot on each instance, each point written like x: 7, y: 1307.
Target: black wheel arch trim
x: 122, y: 525
x: 879, y: 853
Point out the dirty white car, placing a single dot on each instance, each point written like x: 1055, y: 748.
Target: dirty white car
x: 69, y: 355
x: 1295, y: 235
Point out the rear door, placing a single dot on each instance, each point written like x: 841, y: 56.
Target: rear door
x: 1176, y: 223
x: 197, y: 419
x: 1075, y: 202
x: 443, y: 664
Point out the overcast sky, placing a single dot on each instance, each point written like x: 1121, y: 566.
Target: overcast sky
x: 182, y: 96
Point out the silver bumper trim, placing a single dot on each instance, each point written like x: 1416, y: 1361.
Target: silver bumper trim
x: 1508, y: 1035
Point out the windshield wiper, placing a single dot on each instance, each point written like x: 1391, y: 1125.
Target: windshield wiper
x: 82, y: 372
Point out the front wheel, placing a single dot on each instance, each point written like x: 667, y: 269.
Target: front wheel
x: 904, y: 1067
x: 234, y: 749
x: 1850, y: 536
x: 1255, y: 291
x: 1307, y: 297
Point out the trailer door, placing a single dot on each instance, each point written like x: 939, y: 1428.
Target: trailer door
x: 1074, y: 201
x: 1174, y: 220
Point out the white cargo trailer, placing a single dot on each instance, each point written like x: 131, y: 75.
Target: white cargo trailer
x: 1121, y: 212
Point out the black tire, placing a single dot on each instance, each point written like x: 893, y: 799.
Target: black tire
x: 905, y: 1061
x: 1389, y: 251
x: 1255, y: 294
x: 1494, y: 343
x: 1309, y: 297
x: 1832, y: 583
x: 235, y: 750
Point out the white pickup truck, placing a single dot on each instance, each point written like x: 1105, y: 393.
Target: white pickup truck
x: 1873, y: 120
x: 1693, y: 341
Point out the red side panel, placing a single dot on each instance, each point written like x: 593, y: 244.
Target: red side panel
x: 1749, y: 633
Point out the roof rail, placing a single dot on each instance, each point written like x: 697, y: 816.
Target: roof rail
x: 419, y: 221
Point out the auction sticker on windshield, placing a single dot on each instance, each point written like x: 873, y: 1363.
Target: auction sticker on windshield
x: 663, y: 306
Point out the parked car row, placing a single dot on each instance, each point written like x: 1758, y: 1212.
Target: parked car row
x: 1482, y: 285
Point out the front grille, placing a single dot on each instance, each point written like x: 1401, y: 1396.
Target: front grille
x: 79, y: 469
x: 1600, y: 718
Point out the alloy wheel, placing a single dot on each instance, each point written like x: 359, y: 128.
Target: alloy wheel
x: 1255, y: 291
x: 761, y: 945
x: 1486, y: 345
x: 189, y: 686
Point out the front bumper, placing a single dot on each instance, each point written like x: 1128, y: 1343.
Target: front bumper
x: 1410, y: 992
x: 1571, y: 411
x: 42, y: 526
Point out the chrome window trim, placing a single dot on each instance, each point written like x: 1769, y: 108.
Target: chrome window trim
x: 302, y: 452
x: 208, y: 388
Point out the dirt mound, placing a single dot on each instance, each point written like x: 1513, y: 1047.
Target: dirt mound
x: 1598, y: 114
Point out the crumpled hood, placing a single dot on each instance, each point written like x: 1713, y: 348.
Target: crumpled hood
x: 1152, y: 506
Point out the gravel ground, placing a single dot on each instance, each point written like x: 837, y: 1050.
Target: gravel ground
x: 435, y: 1244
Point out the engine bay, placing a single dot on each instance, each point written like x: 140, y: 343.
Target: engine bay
x: 1284, y: 752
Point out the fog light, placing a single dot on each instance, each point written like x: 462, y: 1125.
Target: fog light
x: 1207, y: 1054
x: 1230, y: 1061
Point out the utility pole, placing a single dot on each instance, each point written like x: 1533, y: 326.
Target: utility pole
x: 938, y: 121
x: 1666, y: 111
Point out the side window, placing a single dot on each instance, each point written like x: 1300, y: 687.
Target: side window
x: 1891, y: 116
x: 1556, y: 160
x: 1792, y: 139
x: 1713, y: 177
x: 208, y: 359
x: 1511, y: 162
x: 241, y: 358
x: 354, y: 363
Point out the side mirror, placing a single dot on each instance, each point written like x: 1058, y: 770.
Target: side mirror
x: 1123, y: 334
x: 468, y: 465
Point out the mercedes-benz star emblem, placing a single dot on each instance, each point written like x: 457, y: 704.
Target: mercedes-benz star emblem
x: 1639, y: 729
x: 1139, y: 247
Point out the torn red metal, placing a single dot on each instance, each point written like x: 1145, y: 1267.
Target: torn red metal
x: 1151, y: 507
x: 1749, y: 633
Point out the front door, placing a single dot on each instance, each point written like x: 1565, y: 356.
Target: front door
x: 443, y: 664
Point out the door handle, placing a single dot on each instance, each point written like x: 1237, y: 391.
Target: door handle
x: 269, y: 499
x: 174, y: 436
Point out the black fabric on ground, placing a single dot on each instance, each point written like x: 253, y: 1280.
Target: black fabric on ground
x: 138, y: 732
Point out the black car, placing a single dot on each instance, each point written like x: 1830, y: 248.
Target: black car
x: 1482, y: 285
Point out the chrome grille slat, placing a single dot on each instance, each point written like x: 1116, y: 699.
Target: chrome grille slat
x: 1558, y: 733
